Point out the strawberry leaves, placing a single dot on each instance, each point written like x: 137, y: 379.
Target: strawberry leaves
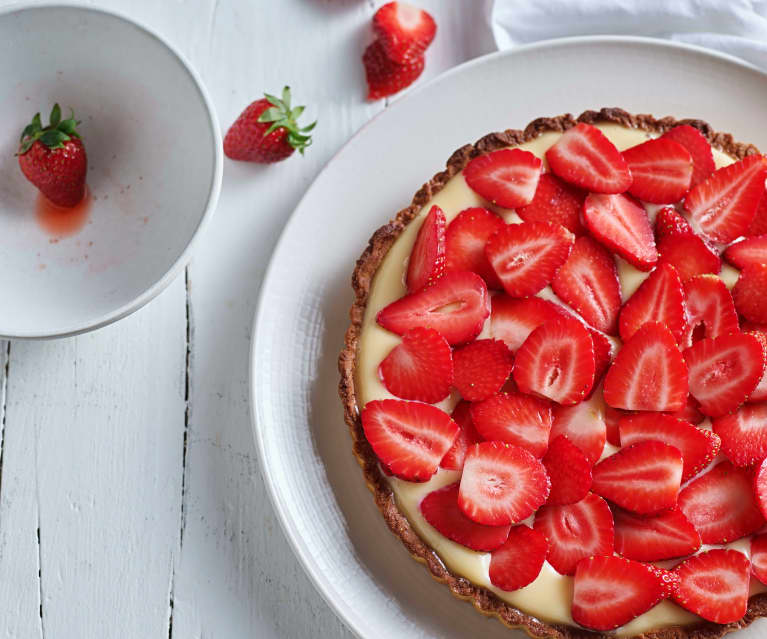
x: 282, y: 115
x: 52, y: 136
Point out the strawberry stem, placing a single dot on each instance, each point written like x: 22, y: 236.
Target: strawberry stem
x: 281, y: 115
x: 53, y: 136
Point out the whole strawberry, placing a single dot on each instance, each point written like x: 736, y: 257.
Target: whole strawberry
x: 53, y: 158
x: 267, y: 131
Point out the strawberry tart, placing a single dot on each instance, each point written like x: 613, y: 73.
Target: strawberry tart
x: 555, y: 377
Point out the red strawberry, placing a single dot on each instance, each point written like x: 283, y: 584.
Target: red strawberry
x: 759, y: 557
x: 513, y: 319
x: 710, y: 309
x: 611, y: 591
x: 507, y: 177
x: 588, y: 282
x: 556, y: 361
x: 661, y: 169
x: 427, y: 259
x: 724, y: 205
x: 569, y: 472
x: 576, y: 531
x: 583, y: 424
x: 649, y: 373
x: 53, y: 158
x: 690, y: 412
x: 714, y: 585
x: 690, y: 255
x: 526, y: 256
x: 724, y: 371
x: 759, y: 225
x: 760, y: 487
x: 456, y: 305
x: 409, y: 438
x: 748, y: 293
x: 697, y: 146
x: 760, y: 392
x: 519, y: 561
x: 386, y: 77
x: 643, y: 477
x: 668, y: 223
x: 698, y: 447
x: 583, y: 156
x: 267, y: 131
x: 514, y: 418
x: 752, y: 250
x: 404, y: 31
x: 440, y: 509
x: 663, y: 536
x: 465, y: 243
x: 557, y: 202
x: 622, y: 225
x: 660, y: 298
x: 454, y: 458
x: 604, y: 353
x: 744, y: 434
x: 720, y: 504
x: 501, y: 484
x: 612, y: 420
x: 481, y: 368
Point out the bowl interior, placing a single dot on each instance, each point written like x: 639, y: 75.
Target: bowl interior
x: 153, y: 160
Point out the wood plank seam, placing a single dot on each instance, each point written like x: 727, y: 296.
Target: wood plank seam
x: 40, y: 573
x: 3, y: 400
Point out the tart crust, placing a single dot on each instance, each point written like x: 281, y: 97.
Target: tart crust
x: 362, y: 278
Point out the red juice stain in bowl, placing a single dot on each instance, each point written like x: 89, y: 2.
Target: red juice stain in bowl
x: 59, y: 220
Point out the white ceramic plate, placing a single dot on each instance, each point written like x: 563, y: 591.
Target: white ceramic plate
x: 326, y: 510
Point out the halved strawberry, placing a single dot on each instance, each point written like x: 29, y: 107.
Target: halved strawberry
x: 752, y: 250
x: 643, y: 477
x: 720, y: 504
x: 456, y: 305
x: 724, y: 205
x: 440, y: 509
x: 513, y: 319
x: 427, y: 259
x: 759, y: 225
x: 760, y: 487
x: 583, y: 424
x: 714, y: 585
x: 668, y: 223
x: 588, y: 282
x: 569, y: 472
x: 514, y: 418
x: 468, y: 435
x: 724, y: 371
x: 622, y: 225
x: 526, y: 256
x: 689, y: 255
x: 698, y: 447
x: 555, y: 201
x: 759, y: 557
x: 663, y: 536
x: 660, y: 298
x: 481, y: 368
x: 760, y: 392
x: 648, y: 373
x: 576, y: 531
x: 583, y: 156
x: 748, y: 293
x: 501, y: 484
x: 697, y: 146
x: 404, y: 30
x: 409, y: 438
x: 519, y: 561
x: 385, y: 77
x: 690, y: 412
x: 611, y: 591
x: 556, y: 361
x: 744, y: 434
x: 612, y: 420
x: 661, y: 168
x: 420, y: 367
x: 604, y: 353
x: 507, y: 177
x: 710, y: 309
x: 465, y: 243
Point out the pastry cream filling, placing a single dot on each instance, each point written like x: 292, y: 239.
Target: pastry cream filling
x: 548, y: 597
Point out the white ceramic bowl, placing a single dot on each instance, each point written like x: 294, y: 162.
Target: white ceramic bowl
x: 155, y: 164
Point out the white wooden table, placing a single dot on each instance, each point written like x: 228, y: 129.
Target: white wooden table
x: 131, y: 503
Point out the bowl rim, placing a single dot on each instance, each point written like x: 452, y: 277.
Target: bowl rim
x: 157, y: 287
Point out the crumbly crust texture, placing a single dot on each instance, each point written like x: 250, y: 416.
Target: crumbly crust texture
x: 362, y: 278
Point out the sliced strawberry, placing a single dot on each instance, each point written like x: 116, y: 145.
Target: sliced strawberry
x: 661, y: 169
x: 556, y: 361
x: 526, y: 256
x: 724, y: 371
x: 513, y: 319
x: 744, y: 434
x: 604, y: 353
x: 669, y: 224
x: 481, y: 368
x: 409, y: 438
x: 648, y: 373
x: 759, y: 557
x: 403, y: 30
x: 612, y: 420
x: 748, y: 293
x: 690, y: 413
x: 698, y: 447
x: 660, y: 298
x: 583, y: 424
x: 555, y: 201
x: 519, y: 561
x: 385, y: 77
x: 576, y: 531
x: 507, y: 177
x: 752, y: 250
x: 440, y: 509
x: 710, y: 309
x: 465, y: 243
x: 714, y: 585
x: 501, y: 484
x: 569, y: 472
x: 420, y: 367
x: 760, y: 487
x: 760, y: 392
x: 689, y: 254
x: 622, y: 225
x: 720, y: 504
x: 456, y: 305
x: 454, y: 458
x: 588, y: 282
x: 427, y: 259
x: 759, y: 225
x: 697, y: 146
x: 724, y: 205
x: 663, y: 536
x: 583, y: 156
x: 643, y: 478
x: 514, y: 418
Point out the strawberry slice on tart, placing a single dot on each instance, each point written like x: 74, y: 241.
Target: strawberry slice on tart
x: 661, y: 170
x: 555, y: 201
x: 513, y: 319
x: 569, y: 472
x: 760, y: 487
x: 427, y: 259
x: 710, y: 309
x: 465, y: 243
x: 583, y: 424
x: 481, y: 368
x: 743, y: 434
x: 680, y: 247
x: 759, y: 557
x: 750, y: 250
x: 468, y: 435
x: 697, y: 146
x: 519, y: 560
x: 748, y: 293
x: 666, y: 535
x: 507, y: 178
